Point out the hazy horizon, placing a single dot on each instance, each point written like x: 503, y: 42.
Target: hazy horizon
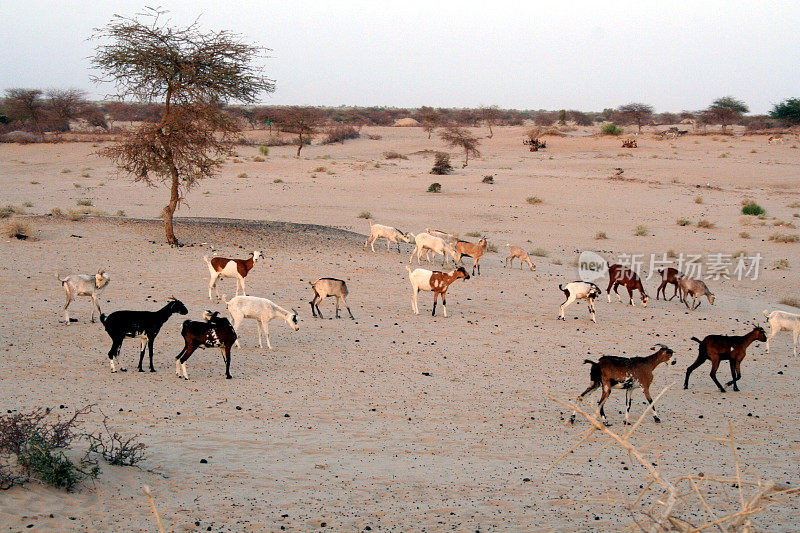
x: 586, y: 56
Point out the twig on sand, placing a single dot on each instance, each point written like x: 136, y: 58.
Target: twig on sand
x: 155, y: 511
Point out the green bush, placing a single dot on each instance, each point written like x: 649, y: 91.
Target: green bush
x: 753, y: 208
x: 263, y: 150
x: 611, y: 129
x: 435, y: 187
x: 441, y: 164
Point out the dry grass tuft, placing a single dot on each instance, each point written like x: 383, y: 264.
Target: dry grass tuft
x: 16, y: 229
x: 698, y: 199
x: 391, y: 154
x: 706, y: 224
x: 784, y: 237
x: 534, y: 200
x: 600, y: 236
x: 780, y: 264
x: 791, y: 301
x: 641, y: 231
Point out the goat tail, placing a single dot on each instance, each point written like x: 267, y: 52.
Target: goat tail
x: 560, y: 287
x: 589, y: 362
x: 766, y: 314
x: 409, y: 269
x: 695, y: 339
x: 58, y: 277
x: 103, y: 317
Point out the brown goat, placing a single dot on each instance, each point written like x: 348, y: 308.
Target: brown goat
x: 619, y: 275
x: 515, y: 252
x: 475, y: 251
x: 222, y: 267
x: 731, y: 348
x: 669, y: 276
x: 436, y: 281
x: 614, y: 372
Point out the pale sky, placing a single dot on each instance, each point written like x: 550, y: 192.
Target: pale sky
x: 554, y: 54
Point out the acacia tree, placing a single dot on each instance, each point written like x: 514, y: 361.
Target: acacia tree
x: 725, y: 110
x: 190, y: 74
x: 788, y: 111
x: 636, y: 113
x: 26, y: 106
x: 461, y: 138
x: 490, y: 115
x: 430, y: 119
x: 304, y: 122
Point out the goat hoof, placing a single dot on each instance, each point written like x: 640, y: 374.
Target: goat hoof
x: 123, y: 369
x: 141, y: 370
x: 658, y: 420
x: 152, y: 370
x: 228, y: 377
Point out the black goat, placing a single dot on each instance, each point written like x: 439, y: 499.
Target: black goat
x: 215, y: 332
x: 142, y: 324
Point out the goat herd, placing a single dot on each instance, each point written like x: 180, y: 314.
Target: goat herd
x: 610, y: 372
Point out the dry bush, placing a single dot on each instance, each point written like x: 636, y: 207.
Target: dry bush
x: 87, y: 202
x: 115, y: 448
x: 539, y: 252
x: 684, y: 222
x: 600, y: 235
x: 16, y: 229
x: 794, y: 205
x: 780, y: 264
x: 340, y: 133
x: 784, y: 224
x: 365, y: 214
x: 698, y: 199
x: 744, y: 235
x: 276, y: 139
x: 678, y: 501
x: 534, y: 200
x: 391, y: 154
x: 705, y: 223
x: 56, y: 212
x: 641, y: 231
x: 374, y: 137
x: 243, y: 175
x: 8, y: 210
x: 784, y: 237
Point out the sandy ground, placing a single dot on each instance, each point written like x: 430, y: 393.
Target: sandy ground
x: 397, y: 421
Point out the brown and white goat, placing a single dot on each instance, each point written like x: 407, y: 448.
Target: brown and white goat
x: 84, y: 285
x: 436, y: 281
x: 215, y: 332
x: 470, y: 249
x: 731, y: 348
x: 614, y: 372
x: 696, y: 289
x: 669, y: 276
x: 222, y: 267
x: 325, y: 287
x: 515, y: 252
x: 577, y: 290
x: 620, y: 275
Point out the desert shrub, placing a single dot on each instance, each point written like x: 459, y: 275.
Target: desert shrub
x: 539, y: 252
x: 120, y: 213
x: 263, y: 150
x: 753, y: 208
x: 672, y: 254
x: 784, y: 224
x: 243, y: 175
x: 794, y: 205
x: 277, y: 180
x: 557, y: 262
x: 374, y: 137
x: 277, y: 140
x: 600, y: 235
x: 65, y: 171
x: 320, y: 169
x: 611, y: 129
x: 784, y: 237
x: 441, y: 164
x: 435, y: 187
x: 16, y: 229
x: 705, y: 223
x: 723, y: 155
x: 698, y: 199
x: 340, y: 133
x: 475, y: 234
x: 641, y: 231
x: 85, y: 202
x: 115, y: 448
x: 744, y: 235
x: 780, y: 264
x: 56, y: 212
x: 491, y: 247
x: 534, y: 200
x: 684, y: 222
x: 27, y: 204
x: 8, y: 210
x: 791, y: 301
x: 258, y: 159
x: 365, y: 214
x: 394, y: 155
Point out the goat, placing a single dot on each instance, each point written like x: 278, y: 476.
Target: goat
x: 325, y: 287
x: 222, y: 267
x: 725, y: 348
x: 469, y: 249
x: 669, y: 276
x: 775, y: 139
x: 392, y: 235
x: 614, y: 372
x: 783, y: 321
x: 449, y: 238
x: 260, y: 309
x: 426, y: 241
x: 84, y: 285
x: 436, y: 281
x: 696, y: 289
x: 142, y: 324
x: 215, y: 332
x: 577, y: 290
x: 515, y: 252
x: 619, y: 275
x: 629, y: 143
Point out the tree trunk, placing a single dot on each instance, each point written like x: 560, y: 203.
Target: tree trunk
x: 299, y: 146
x: 170, y: 208
x: 640, y: 126
x: 466, y: 158
x: 491, y: 133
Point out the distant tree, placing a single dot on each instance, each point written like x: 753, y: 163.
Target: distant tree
x: 667, y: 118
x: 788, y: 111
x: 490, y: 115
x: 461, y: 138
x: 27, y: 107
x: 191, y: 73
x: 65, y: 105
x: 429, y: 118
x: 544, y: 118
x: 580, y: 118
x: 636, y: 113
x: 725, y: 110
x: 562, y: 117
x: 305, y: 122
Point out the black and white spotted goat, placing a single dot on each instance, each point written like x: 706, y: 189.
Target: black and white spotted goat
x: 215, y: 332
x: 577, y: 290
x: 142, y: 324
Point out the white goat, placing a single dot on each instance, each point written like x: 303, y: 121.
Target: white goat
x: 576, y: 290
x: 84, y: 285
x: 392, y: 235
x: 783, y: 321
x: 449, y: 238
x: 426, y: 241
x: 261, y: 310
